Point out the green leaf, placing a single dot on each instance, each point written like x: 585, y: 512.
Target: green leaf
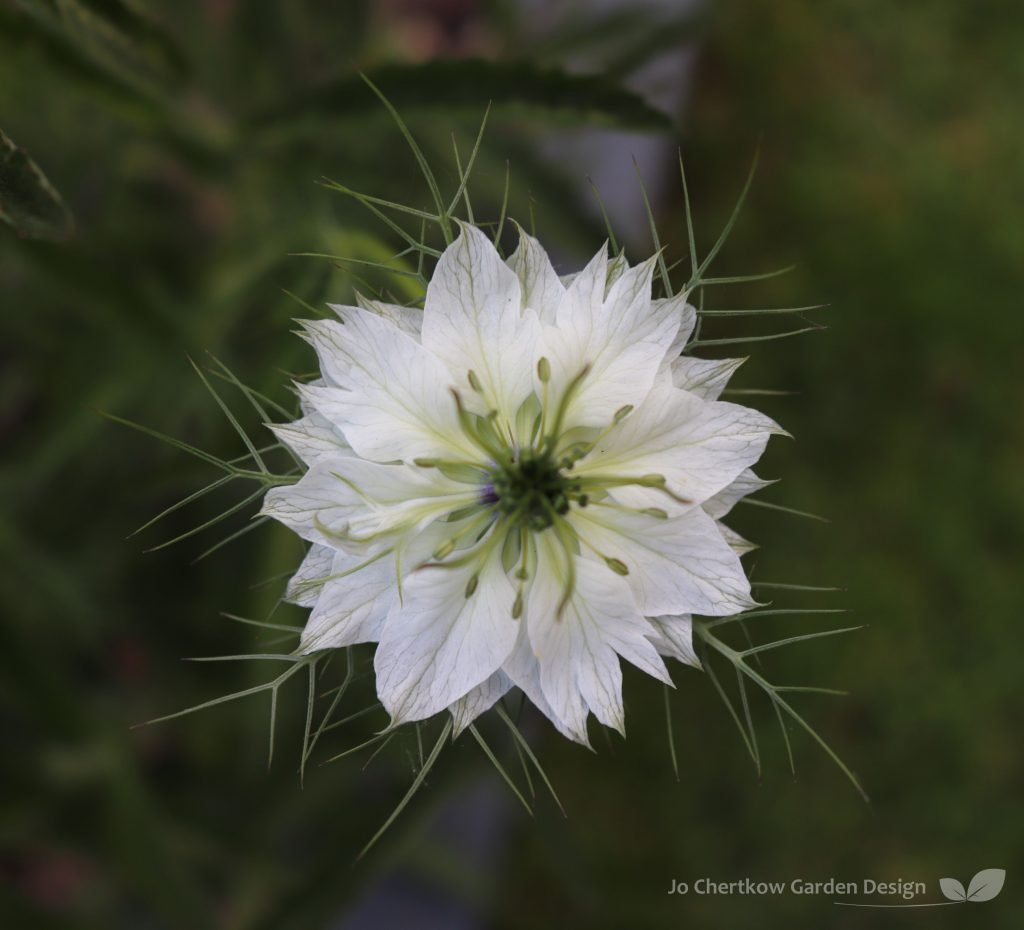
x: 29, y: 203
x: 428, y: 174
x: 669, y: 733
x: 662, y: 267
x: 500, y: 768
x: 702, y: 630
x: 521, y: 741
x: 470, y: 84
x: 413, y: 788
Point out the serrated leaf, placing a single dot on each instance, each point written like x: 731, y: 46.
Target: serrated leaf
x: 986, y: 884
x: 29, y: 203
x: 952, y: 889
x: 471, y: 84
x: 413, y: 788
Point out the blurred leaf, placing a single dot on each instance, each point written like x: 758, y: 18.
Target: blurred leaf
x: 35, y: 46
x: 28, y: 201
x: 473, y: 84
x: 655, y: 40
x: 590, y: 35
x: 117, y: 35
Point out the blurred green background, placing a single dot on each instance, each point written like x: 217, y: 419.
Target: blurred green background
x: 187, y: 142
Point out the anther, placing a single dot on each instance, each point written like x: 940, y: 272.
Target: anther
x: 444, y: 550
x: 617, y: 566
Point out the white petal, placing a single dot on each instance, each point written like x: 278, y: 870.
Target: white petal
x: 705, y: 377
x: 438, y: 644
x: 391, y: 398
x: 317, y: 506
x: 473, y: 321
x: 408, y: 319
x: 523, y: 670
x: 541, y: 289
x: 676, y: 565
x: 312, y: 437
x: 579, y: 648
x: 332, y: 344
x: 307, y: 408
x: 722, y: 502
x: 613, y: 268
x: 622, y: 340
x: 737, y: 543
x: 342, y: 501
x: 675, y: 638
x: 586, y: 288
x: 352, y: 608
x: 617, y: 266
x: 603, y: 269
x: 698, y: 447
x: 399, y: 499
x: 687, y: 316
x: 478, y: 700
x: 359, y: 590
x: 304, y: 586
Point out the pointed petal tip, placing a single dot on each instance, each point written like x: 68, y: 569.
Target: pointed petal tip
x: 459, y: 724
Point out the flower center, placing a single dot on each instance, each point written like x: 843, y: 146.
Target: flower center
x: 534, y: 489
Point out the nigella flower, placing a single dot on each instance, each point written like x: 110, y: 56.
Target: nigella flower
x: 517, y: 486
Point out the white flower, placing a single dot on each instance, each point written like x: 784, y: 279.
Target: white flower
x: 517, y: 486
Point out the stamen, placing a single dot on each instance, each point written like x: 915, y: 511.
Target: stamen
x: 544, y: 374
x: 480, y: 526
x: 657, y: 482
x: 445, y: 549
x: 616, y: 565
x: 463, y: 472
x: 488, y: 429
x: 566, y: 536
x: 580, y: 450
x: 471, y: 427
x: 334, y: 576
x: 339, y: 535
x: 575, y: 452
x: 551, y: 440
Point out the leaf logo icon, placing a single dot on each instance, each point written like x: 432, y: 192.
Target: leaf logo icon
x: 983, y: 887
x: 952, y: 889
